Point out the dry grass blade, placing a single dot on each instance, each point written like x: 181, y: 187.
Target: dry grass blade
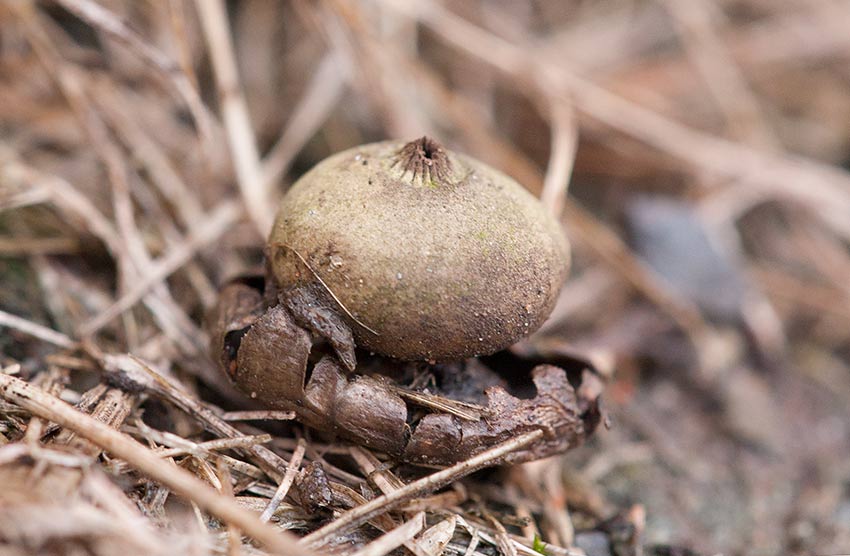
x: 74, y: 86
x: 372, y: 469
x: 36, y: 330
x: 148, y: 462
x: 723, y: 77
x: 209, y: 230
x: 430, y: 483
x: 395, y: 538
x: 237, y: 123
x: 323, y: 92
x: 144, y: 376
x: 433, y: 541
x: 506, y: 547
x: 217, y: 445
x: 258, y: 415
x: 67, y: 199
x: 12, y: 199
x: 234, y: 537
x: 286, y: 483
x: 612, y: 249
x: 34, y: 523
x: 38, y: 246
x: 387, y: 483
x: 561, y: 159
x: 163, y: 173
x: 463, y: 410
x: 101, y: 18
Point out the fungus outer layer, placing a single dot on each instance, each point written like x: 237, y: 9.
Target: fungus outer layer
x: 434, y: 255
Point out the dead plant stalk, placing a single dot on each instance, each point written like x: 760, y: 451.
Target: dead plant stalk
x: 148, y: 462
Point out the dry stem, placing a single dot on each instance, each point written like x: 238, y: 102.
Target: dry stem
x: 362, y: 514
x: 237, y: 122
x: 182, y: 482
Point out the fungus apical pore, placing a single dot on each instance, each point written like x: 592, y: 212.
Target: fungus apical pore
x: 426, y: 254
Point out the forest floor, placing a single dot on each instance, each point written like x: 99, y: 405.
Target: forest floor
x: 695, y: 152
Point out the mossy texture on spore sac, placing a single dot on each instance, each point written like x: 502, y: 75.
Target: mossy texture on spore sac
x: 449, y: 263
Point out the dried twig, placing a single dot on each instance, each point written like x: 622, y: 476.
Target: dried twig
x: 146, y: 461
x: 430, y: 483
x: 145, y: 376
x: 288, y: 477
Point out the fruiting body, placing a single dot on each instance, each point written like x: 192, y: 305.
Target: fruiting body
x: 415, y: 253
x: 426, y: 254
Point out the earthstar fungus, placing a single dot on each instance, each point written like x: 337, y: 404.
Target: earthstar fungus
x: 416, y: 253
